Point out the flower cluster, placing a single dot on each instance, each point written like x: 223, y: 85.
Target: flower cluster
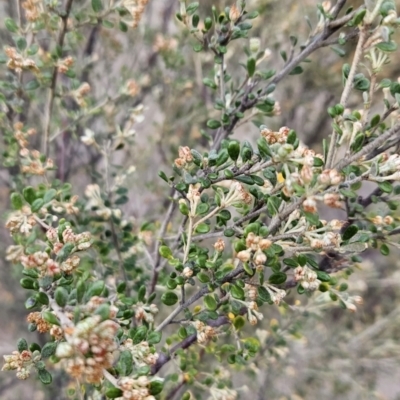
x: 80, y: 93
x: 41, y: 325
x: 251, y: 291
x: 33, y: 163
x: 275, y: 137
x: 185, y: 157
x: 319, y: 240
x: 33, y: 9
x: 41, y: 260
x: 236, y: 195
x: 252, y: 314
x: 135, y: 389
x: 93, y: 304
x: 276, y: 294
x: 65, y: 64
x: 163, y: 45
x: 204, y: 332
x: 96, y: 202
x: 22, y: 361
x: 17, y: 62
x: 145, y: 312
x: 136, y: 9
x: 307, y: 278
x: 142, y: 353
x: 89, y: 348
x: 132, y: 88
x: 255, y: 250
x: 21, y: 221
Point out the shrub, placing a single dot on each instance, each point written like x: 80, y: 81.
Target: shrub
x: 243, y: 231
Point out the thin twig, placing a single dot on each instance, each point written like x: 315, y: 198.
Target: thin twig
x: 318, y: 41
x: 346, y: 92
x: 112, y: 225
x: 369, y: 147
x: 161, y: 234
x: 52, y: 89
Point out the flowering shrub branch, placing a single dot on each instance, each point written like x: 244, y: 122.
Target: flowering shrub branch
x: 243, y: 229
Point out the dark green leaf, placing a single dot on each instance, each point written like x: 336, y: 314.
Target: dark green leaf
x: 48, y: 349
x: 61, y: 296
x: 213, y: 124
x: 154, y: 337
x: 45, y: 376
x: 251, y: 66
x: 210, y: 302
x: 350, y: 232
x: 169, y: 298
x: 125, y: 363
x: 11, y: 25
x: 97, y: 5
x: 277, y: 278
x: 296, y: 70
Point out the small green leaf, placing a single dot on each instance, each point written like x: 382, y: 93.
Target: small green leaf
x: 165, y: 252
x: 264, y: 295
x: 30, y: 302
x: 210, y: 302
x: 11, y: 25
x: 198, y: 47
x: 22, y: 345
x: 296, y: 70
x: 192, y: 8
x: 203, y: 228
x: 350, y: 232
x: 387, y: 46
x: 384, y: 249
x: 239, y: 322
x: 229, y: 232
x: 277, y: 278
x: 169, y: 298
x: 323, y: 276
x: 104, y: 311
x: 49, y: 195
x: 96, y: 289
x: 237, y: 292
x: 32, y: 85
x: 142, y: 293
x: 125, y: 363
x: 45, y: 376
x: 97, y: 5
x: 123, y: 27
x: 113, y: 393
x: 61, y: 296
x: 358, y: 18
x: 29, y: 194
x: 48, y: 349
x: 156, y: 387
x: 385, y: 186
x: 50, y: 318
x: 27, y: 283
x: 263, y: 147
x: 251, y: 66
x: 154, y: 337
x: 234, y: 149
x: 140, y: 334
x: 290, y: 262
x: 37, y: 205
x: 210, y: 83
x: 16, y: 201
x: 213, y: 124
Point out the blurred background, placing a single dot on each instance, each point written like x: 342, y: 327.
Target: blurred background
x: 319, y: 353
